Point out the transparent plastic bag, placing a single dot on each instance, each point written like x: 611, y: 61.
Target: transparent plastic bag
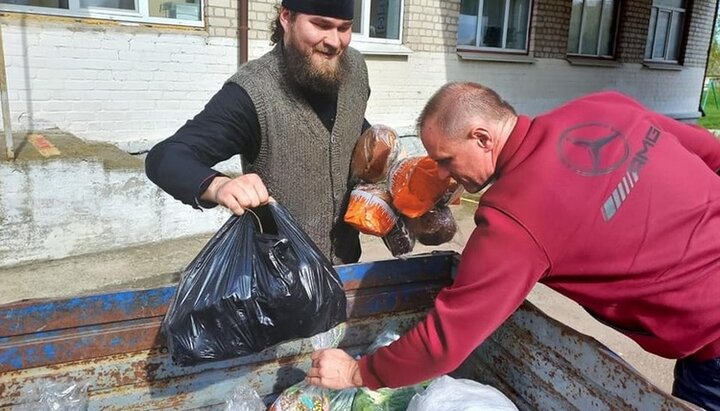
x: 373, y: 153
x: 399, y: 241
x: 385, y: 399
x: 435, y: 227
x: 369, y: 210
x: 450, y: 394
x: 245, y: 399
x: 258, y: 282
x: 53, y: 396
x: 305, y: 397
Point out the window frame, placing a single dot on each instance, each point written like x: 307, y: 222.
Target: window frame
x: 616, y: 17
x: 680, y: 40
x: 506, y: 15
x: 140, y: 15
x: 364, y: 35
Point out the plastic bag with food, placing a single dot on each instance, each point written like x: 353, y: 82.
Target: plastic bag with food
x: 415, y: 185
x: 399, y: 240
x: 258, y: 282
x: 305, y: 397
x: 450, y: 394
x: 452, y: 194
x: 372, y: 153
x: 435, y: 227
x: 385, y: 399
x: 369, y: 210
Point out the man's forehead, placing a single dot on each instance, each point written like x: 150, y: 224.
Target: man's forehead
x: 325, y: 19
x: 433, y: 141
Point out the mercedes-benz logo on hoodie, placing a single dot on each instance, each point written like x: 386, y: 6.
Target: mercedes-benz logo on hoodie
x: 593, y: 149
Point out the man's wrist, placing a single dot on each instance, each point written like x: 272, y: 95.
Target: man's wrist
x: 357, y: 380
x: 210, y: 194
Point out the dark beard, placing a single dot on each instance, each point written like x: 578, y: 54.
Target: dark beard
x: 308, y: 78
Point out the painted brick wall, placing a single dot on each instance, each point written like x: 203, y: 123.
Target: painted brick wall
x: 701, y: 21
x: 531, y: 88
x: 431, y: 25
x: 633, y: 30
x: 221, y: 18
x: 118, y: 84
x: 134, y: 85
x: 549, y: 28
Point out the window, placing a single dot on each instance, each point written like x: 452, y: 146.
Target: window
x: 378, y: 20
x: 494, y: 24
x: 667, y: 21
x: 592, y: 28
x: 179, y: 12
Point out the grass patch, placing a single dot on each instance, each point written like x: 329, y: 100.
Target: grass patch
x: 711, y: 120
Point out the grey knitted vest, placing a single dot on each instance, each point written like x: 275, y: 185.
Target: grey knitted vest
x: 304, y: 167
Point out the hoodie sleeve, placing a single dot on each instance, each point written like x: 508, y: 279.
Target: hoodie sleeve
x: 499, y: 266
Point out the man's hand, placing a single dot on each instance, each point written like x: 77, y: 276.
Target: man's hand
x: 237, y: 194
x: 334, y: 369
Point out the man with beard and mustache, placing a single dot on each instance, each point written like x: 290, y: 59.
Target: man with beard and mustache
x: 294, y: 116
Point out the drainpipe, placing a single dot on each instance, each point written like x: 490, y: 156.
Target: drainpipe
x: 242, y: 34
x: 5, y: 103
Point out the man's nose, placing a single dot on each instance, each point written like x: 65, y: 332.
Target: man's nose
x: 332, y: 39
x: 443, y: 173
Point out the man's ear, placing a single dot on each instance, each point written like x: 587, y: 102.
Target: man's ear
x: 482, y: 138
x: 285, y: 18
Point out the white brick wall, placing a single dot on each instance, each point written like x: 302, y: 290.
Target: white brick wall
x: 401, y: 88
x: 133, y: 87
x: 115, y: 84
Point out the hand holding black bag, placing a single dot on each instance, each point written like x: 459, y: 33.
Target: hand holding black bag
x: 258, y: 282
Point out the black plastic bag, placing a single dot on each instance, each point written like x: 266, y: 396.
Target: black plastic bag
x: 258, y: 282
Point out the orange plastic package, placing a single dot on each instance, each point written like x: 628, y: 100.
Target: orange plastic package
x: 373, y: 153
x: 415, y: 185
x: 369, y: 210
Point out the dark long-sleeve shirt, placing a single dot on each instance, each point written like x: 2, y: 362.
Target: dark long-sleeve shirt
x: 228, y: 125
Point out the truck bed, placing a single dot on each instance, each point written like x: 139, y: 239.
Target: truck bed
x: 112, y: 342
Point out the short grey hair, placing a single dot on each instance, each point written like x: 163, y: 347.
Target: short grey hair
x: 456, y: 103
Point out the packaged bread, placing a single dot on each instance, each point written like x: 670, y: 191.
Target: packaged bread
x: 399, y: 240
x: 435, y: 227
x: 369, y: 210
x: 452, y: 194
x: 372, y: 153
x: 415, y: 185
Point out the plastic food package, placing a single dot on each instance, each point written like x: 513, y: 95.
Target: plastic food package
x: 435, y: 227
x: 415, y: 185
x: 452, y: 194
x: 450, y: 394
x: 399, y: 240
x: 245, y: 399
x: 55, y: 396
x: 385, y: 399
x: 258, y: 282
x: 409, y: 146
x: 302, y: 397
x: 372, y: 153
x: 305, y: 397
x: 369, y: 210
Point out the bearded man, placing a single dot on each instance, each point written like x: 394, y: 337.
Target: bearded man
x: 293, y: 115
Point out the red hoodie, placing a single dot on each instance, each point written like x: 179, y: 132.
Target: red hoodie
x: 608, y: 203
